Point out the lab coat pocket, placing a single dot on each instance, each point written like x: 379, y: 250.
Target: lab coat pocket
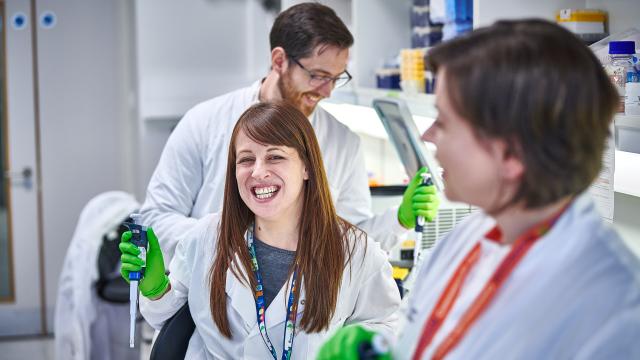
x: 240, y: 303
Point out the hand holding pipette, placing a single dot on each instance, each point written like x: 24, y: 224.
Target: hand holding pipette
x: 418, y: 200
x: 420, y: 204
x: 355, y: 342
x: 420, y: 221
x: 147, y: 275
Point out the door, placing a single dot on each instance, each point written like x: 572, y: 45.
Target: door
x: 66, y: 120
x: 20, y: 248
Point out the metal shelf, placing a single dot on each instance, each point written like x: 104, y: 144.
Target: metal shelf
x: 419, y: 104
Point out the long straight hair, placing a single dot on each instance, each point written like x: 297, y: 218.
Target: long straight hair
x: 550, y: 101
x: 323, y: 249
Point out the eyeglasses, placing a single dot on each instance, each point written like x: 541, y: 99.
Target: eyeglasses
x: 316, y: 80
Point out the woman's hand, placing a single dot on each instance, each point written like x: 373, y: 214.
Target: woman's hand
x: 354, y: 342
x: 155, y: 282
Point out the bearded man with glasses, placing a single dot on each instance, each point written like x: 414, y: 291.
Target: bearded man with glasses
x: 309, y: 54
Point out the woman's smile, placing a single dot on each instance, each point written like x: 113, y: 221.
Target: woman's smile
x: 265, y: 193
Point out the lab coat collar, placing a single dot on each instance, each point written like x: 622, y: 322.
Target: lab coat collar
x: 255, y: 91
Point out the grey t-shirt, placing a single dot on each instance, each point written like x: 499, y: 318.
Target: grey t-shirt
x: 274, y: 267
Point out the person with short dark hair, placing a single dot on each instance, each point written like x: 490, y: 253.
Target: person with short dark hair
x: 524, y: 114
x: 309, y: 53
x: 277, y: 270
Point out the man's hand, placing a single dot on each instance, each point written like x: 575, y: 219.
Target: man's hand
x: 418, y: 200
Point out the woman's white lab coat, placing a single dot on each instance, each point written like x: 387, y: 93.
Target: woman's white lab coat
x: 575, y: 294
x: 368, y: 295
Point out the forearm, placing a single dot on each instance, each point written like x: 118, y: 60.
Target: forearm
x: 384, y: 228
x: 158, y: 310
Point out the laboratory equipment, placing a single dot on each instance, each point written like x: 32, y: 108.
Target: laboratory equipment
x: 412, y: 71
x: 420, y: 222
x: 388, y: 78
x: 138, y: 238
x: 424, y: 32
x: 620, y: 68
x: 405, y: 137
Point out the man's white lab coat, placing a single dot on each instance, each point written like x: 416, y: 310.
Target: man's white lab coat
x: 368, y: 295
x: 188, y: 182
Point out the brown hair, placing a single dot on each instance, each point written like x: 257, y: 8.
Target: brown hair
x: 301, y: 28
x: 323, y: 249
x: 533, y: 84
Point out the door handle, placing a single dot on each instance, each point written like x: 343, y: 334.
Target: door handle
x: 22, y: 178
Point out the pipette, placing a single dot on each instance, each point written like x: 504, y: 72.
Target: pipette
x: 419, y: 229
x: 138, y: 238
x: 373, y: 349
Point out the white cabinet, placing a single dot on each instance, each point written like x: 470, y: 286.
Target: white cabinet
x: 486, y: 12
x: 622, y: 13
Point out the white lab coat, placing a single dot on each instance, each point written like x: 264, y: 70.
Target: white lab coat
x: 368, y: 295
x: 188, y: 182
x: 80, y: 331
x: 575, y: 294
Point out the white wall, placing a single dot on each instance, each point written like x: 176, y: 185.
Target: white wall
x: 623, y: 14
x: 188, y: 52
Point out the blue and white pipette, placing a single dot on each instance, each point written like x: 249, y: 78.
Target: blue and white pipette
x: 420, y: 221
x: 138, y: 238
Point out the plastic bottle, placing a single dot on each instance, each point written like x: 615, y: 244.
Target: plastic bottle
x: 620, y: 68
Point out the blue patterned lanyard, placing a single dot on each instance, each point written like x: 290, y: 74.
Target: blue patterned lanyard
x: 292, y: 306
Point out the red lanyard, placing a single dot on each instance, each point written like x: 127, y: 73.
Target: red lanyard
x: 482, y: 301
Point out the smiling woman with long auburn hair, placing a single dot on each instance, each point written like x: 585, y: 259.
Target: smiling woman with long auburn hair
x: 277, y: 271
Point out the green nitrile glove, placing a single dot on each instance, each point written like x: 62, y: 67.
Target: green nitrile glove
x: 154, y: 282
x: 418, y: 201
x: 349, y: 343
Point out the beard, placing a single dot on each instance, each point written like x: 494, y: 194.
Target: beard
x: 295, y: 97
